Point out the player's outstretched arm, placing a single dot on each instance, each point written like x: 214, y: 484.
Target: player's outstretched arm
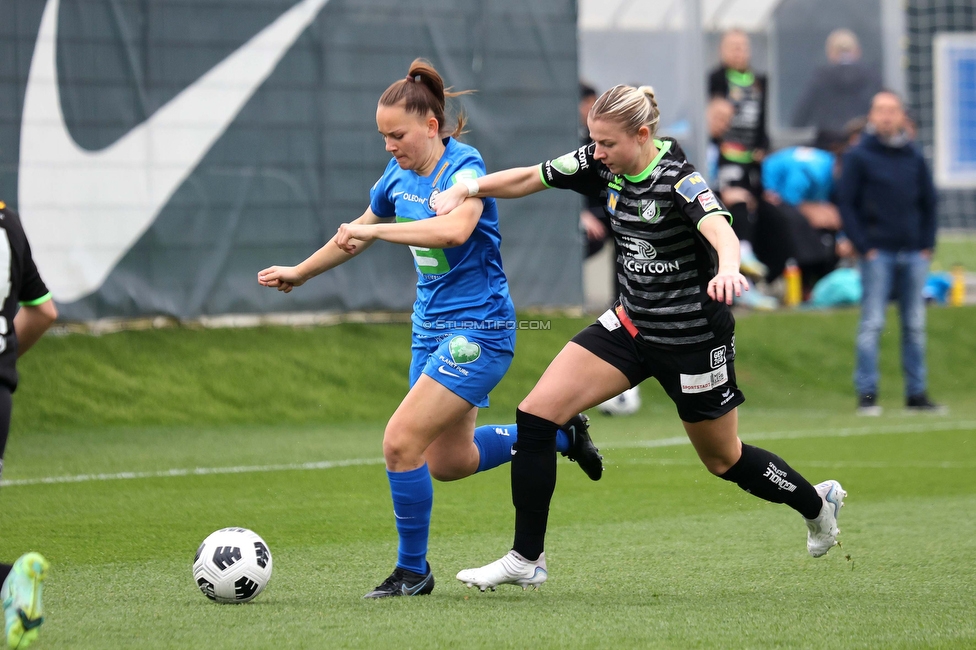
x: 285, y: 278
x: 506, y: 184
x: 447, y: 231
x: 728, y: 282
x: 31, y: 322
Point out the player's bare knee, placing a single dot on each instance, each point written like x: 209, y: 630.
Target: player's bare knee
x: 444, y: 473
x: 399, y: 450
x: 543, y: 409
x: 717, y: 465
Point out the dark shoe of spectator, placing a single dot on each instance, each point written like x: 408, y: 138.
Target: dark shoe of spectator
x: 868, y: 405
x: 922, y: 404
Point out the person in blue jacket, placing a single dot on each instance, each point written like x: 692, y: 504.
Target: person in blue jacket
x: 887, y: 202
x: 799, y: 174
x: 463, y: 318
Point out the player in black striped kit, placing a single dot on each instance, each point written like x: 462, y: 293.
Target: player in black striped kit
x: 678, y: 265
x: 27, y: 312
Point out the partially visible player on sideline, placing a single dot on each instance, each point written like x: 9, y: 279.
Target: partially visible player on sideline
x: 746, y: 141
x: 679, y: 266
x: 28, y: 307
x: 463, y: 319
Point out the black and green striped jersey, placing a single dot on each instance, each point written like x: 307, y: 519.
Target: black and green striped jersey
x: 664, y: 263
x: 20, y: 284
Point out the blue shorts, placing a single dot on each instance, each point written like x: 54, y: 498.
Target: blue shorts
x: 465, y: 362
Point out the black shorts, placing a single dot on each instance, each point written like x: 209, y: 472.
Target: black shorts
x: 701, y: 383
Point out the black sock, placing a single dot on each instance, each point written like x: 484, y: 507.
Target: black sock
x: 533, y: 481
x: 767, y: 476
x: 4, y: 572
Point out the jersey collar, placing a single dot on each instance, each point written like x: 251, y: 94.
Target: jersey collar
x: 442, y: 163
x: 663, y: 147
x: 744, y: 79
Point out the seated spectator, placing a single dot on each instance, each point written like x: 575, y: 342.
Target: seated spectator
x: 799, y: 184
x: 718, y: 119
x: 839, y: 91
x: 741, y: 201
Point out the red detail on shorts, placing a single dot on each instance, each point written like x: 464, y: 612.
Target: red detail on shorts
x: 625, y: 321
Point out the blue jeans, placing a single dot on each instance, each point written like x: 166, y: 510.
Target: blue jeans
x: 908, y: 271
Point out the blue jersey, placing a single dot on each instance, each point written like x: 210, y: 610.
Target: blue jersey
x: 458, y: 288
x: 799, y: 174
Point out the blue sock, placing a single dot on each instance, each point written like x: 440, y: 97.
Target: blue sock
x: 494, y: 443
x: 562, y: 441
x: 413, y: 499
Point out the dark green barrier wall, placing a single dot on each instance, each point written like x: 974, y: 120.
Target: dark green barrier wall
x: 296, y: 160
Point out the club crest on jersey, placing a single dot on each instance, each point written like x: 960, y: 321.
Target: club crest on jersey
x: 567, y: 165
x: 691, y: 186
x: 649, y: 211
x: 612, y: 198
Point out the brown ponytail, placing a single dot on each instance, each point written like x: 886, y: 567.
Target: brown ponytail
x: 423, y: 93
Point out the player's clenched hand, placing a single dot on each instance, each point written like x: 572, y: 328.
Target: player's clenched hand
x: 348, y: 234
x: 727, y: 284
x: 284, y: 278
x: 450, y: 198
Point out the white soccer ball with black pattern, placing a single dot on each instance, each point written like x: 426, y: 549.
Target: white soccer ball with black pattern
x: 233, y: 565
x: 626, y: 403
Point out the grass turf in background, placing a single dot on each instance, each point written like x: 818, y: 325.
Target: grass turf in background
x: 657, y: 554
x: 958, y: 247
x: 358, y: 373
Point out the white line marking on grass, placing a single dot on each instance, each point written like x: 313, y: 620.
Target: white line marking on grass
x: 829, y: 464
x: 196, y: 471
x: 331, y: 464
x: 812, y: 433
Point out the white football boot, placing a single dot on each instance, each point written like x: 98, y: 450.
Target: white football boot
x: 822, y: 532
x: 511, y: 569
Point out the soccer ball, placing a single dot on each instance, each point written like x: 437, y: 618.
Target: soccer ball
x: 233, y: 565
x: 626, y: 403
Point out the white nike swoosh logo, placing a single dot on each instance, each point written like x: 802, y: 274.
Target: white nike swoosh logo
x: 441, y: 370
x: 83, y: 210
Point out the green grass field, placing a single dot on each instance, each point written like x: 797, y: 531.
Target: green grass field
x: 214, y: 428
x: 956, y: 248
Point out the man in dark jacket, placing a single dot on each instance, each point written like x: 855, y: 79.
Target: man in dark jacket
x: 887, y: 203
x: 840, y: 91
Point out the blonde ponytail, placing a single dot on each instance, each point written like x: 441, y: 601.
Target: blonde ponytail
x: 629, y: 107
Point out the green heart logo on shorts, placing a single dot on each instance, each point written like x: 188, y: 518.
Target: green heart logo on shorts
x: 463, y: 350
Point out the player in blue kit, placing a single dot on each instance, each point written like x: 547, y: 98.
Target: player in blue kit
x: 463, y: 318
